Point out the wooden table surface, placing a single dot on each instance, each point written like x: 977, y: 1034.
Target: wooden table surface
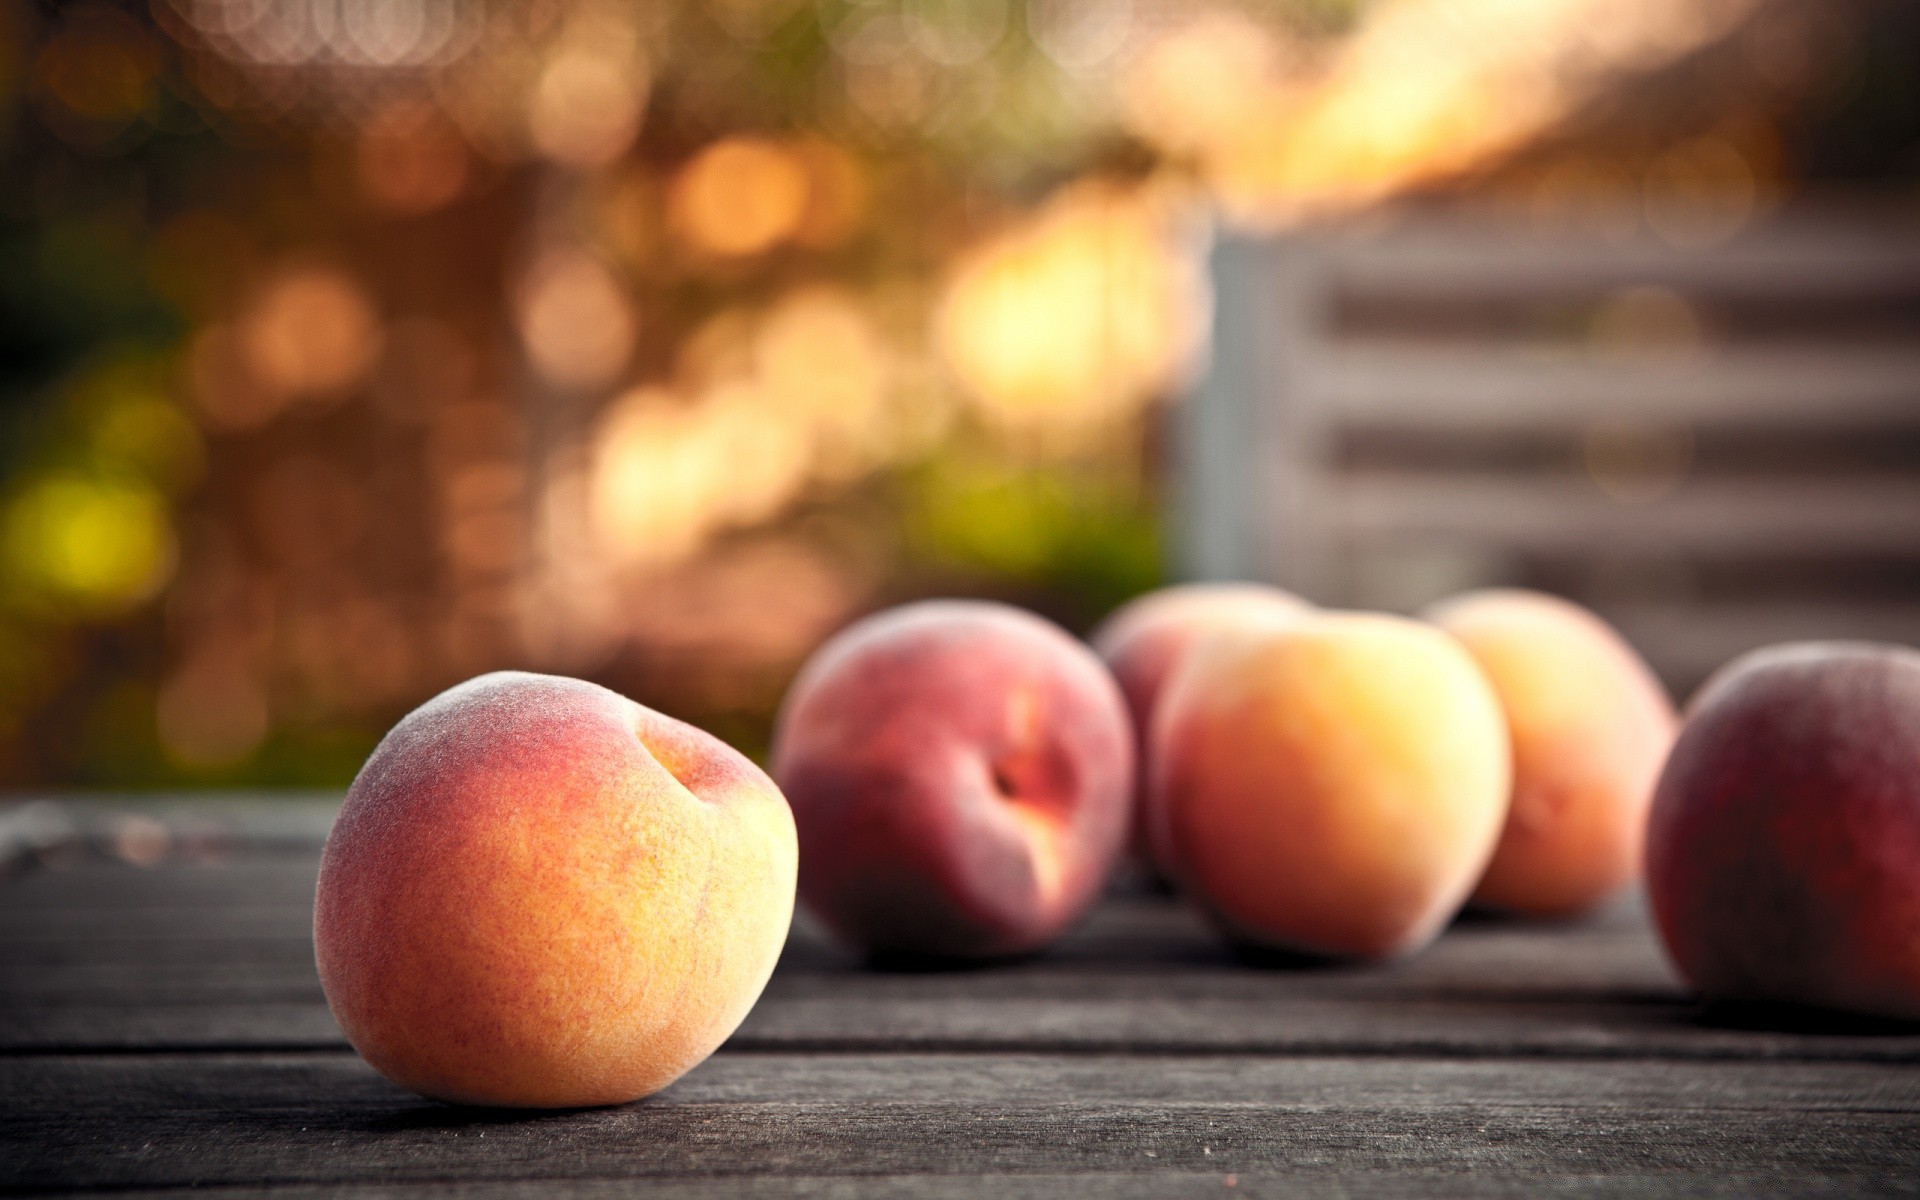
x: 161, y: 1027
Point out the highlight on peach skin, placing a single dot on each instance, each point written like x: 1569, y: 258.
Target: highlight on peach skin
x: 1590, y: 727
x: 1334, y: 785
x: 1783, y: 853
x: 542, y: 894
x: 961, y: 775
x: 1145, y: 639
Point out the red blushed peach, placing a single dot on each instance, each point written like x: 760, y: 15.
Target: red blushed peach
x: 960, y: 773
x: 1783, y: 853
x: 541, y: 894
x: 1334, y: 785
x: 1144, y: 640
x: 1591, y: 727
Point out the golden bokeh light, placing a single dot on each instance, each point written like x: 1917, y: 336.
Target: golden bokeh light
x: 838, y: 192
x: 822, y: 361
x: 651, y: 483
x: 311, y: 333
x: 1417, y: 93
x: 667, y: 473
x: 1069, y: 323
x: 587, y: 106
x: 564, y: 334
x: 763, y: 404
x: 1081, y: 35
x: 1193, y: 88
x: 739, y: 196
x: 576, y: 321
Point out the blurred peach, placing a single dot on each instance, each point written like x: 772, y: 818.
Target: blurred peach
x: 1144, y: 640
x: 1590, y: 727
x: 1333, y: 784
x: 960, y: 772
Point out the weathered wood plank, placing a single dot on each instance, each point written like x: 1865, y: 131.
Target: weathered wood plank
x: 196, y: 825
x: 1305, y: 1179
x: 106, y: 957
x: 1480, y: 388
x: 1829, y: 515
x: 1453, y: 261
x: 111, y: 1122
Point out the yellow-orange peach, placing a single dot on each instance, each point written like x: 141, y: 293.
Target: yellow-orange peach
x: 960, y: 773
x: 541, y: 894
x: 1333, y: 785
x: 1590, y: 726
x: 1145, y: 639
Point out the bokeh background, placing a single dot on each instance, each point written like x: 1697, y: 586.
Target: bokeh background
x: 349, y: 348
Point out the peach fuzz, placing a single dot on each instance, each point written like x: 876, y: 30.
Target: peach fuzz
x: 541, y: 894
x: 1146, y: 638
x: 1590, y: 726
x: 960, y: 773
x: 1783, y: 850
x: 1334, y: 785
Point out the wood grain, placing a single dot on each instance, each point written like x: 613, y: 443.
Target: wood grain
x: 161, y: 1029
x: 104, y: 957
x: 106, y: 1121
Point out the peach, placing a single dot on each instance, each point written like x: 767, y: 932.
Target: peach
x: 1590, y: 727
x: 541, y: 894
x: 1333, y: 785
x: 1783, y: 850
x: 1145, y: 639
x: 960, y: 773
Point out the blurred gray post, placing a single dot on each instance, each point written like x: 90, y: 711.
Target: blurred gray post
x: 1242, y: 440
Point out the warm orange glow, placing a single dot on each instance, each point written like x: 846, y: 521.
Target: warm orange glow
x: 1194, y: 88
x: 766, y: 405
x: 668, y: 473
x: 822, y: 362
x: 1418, y: 92
x: 651, y: 483
x: 587, y: 106
x: 1066, y: 324
x: 836, y: 195
x: 576, y: 321
x: 411, y: 159
x: 312, y: 332
x: 740, y: 196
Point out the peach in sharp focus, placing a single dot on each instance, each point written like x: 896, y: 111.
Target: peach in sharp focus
x: 1591, y: 727
x: 1334, y: 785
x: 539, y: 894
x: 960, y: 773
x: 1144, y: 640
